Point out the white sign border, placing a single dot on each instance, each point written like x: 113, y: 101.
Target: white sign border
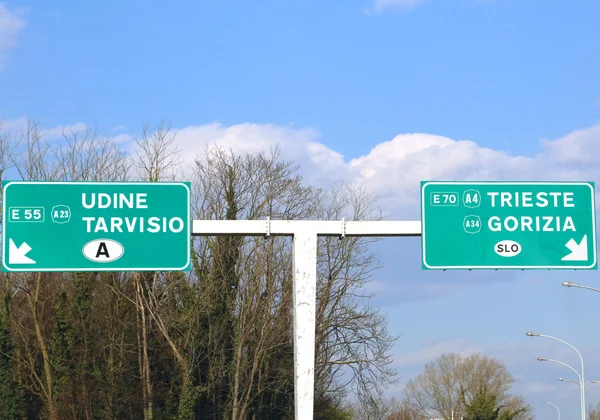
x: 88, y: 269
x: 511, y: 267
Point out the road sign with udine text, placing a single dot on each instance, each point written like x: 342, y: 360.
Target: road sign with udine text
x: 96, y: 226
x: 508, y: 225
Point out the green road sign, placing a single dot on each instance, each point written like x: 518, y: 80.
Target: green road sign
x: 96, y: 226
x: 508, y: 225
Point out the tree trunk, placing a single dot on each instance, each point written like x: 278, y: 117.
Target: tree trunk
x: 236, y: 381
x: 143, y: 358
x: 49, y: 391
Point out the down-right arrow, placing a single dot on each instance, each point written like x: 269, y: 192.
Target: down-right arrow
x: 579, y: 251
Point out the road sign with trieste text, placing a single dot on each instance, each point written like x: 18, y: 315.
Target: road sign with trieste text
x: 96, y: 226
x: 508, y: 225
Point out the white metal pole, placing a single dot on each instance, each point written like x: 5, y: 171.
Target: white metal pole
x: 304, y: 247
x: 573, y: 382
x: 581, y: 286
x: 566, y: 365
x: 582, y: 378
x: 555, y: 406
x: 581, y: 391
x: 305, y: 234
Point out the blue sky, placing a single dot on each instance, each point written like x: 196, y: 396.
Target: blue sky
x: 355, y: 89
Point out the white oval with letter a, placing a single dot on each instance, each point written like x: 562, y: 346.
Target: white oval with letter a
x: 507, y: 248
x: 103, y: 250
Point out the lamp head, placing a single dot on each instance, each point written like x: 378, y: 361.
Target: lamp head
x: 567, y: 284
x: 542, y: 359
x: 532, y: 334
x: 561, y: 379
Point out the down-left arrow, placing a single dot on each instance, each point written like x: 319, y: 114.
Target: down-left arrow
x: 17, y: 255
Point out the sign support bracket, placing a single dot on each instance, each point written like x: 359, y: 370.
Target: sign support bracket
x: 305, y: 234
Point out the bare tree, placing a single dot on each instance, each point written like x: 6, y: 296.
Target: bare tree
x: 385, y: 409
x: 34, y: 163
x: 436, y: 392
x: 142, y: 334
x: 7, y: 150
x: 594, y: 412
x: 157, y: 155
x: 80, y: 156
x: 87, y: 156
x: 251, y: 277
x: 353, y: 344
x: 352, y: 341
x: 479, y: 374
x: 37, y: 304
x: 217, y: 341
x: 451, y: 383
x: 517, y: 404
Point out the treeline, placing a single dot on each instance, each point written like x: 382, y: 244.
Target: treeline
x: 453, y: 386
x: 474, y: 387
x: 214, y: 343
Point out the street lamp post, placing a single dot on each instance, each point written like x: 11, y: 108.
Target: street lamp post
x: 580, y: 286
x: 581, y: 377
x: 555, y: 406
x: 545, y: 359
x: 573, y: 382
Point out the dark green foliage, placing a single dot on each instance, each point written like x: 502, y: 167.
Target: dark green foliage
x: 333, y: 413
x: 482, y: 407
x: 11, y: 395
x: 84, y: 370
x: 328, y: 408
x: 61, y: 357
x: 187, y: 401
x: 510, y: 415
x: 485, y: 407
x: 277, y: 401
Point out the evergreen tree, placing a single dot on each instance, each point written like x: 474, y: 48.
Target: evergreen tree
x: 482, y: 407
x: 11, y: 395
x: 485, y: 407
x: 61, y: 357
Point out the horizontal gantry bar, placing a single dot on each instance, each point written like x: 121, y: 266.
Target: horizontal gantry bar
x: 293, y: 227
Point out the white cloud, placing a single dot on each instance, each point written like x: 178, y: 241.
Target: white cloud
x: 319, y: 163
x: 538, y: 387
x: 19, y: 125
x: 122, y: 138
x: 528, y: 349
x: 11, y: 25
x: 57, y: 132
x: 578, y: 147
x: 244, y: 137
x: 432, y: 352
x: 394, y: 169
x: 380, y: 5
